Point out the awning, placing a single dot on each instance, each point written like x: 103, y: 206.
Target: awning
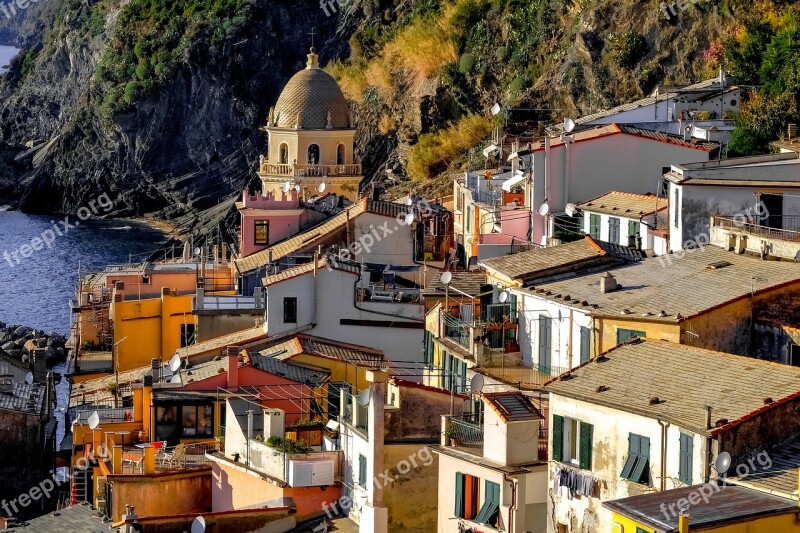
x: 518, y: 177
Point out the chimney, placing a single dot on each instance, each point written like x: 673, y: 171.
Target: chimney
x: 233, y: 366
x: 257, y: 297
x: 608, y: 283
x: 200, y: 298
x: 131, y: 520
x: 683, y: 522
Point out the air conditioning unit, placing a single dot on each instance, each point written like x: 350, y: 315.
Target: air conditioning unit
x: 311, y: 473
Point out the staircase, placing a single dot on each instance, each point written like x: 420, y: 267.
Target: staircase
x: 79, y: 490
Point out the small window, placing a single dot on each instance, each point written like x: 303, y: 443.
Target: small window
x: 627, y: 334
x: 613, y: 230
x: 340, y: 156
x: 362, y: 471
x: 466, y: 504
x: 594, y: 227
x: 572, y: 442
x: 290, y: 310
x: 188, y: 334
x: 633, y: 228
x: 262, y: 232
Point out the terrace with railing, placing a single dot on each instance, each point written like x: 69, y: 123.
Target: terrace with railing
x: 786, y: 228
x: 301, y: 171
x: 165, y: 458
x: 775, y: 236
x: 465, y: 432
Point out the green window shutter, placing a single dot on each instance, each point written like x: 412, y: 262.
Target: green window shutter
x: 586, y: 340
x: 633, y: 227
x: 633, y: 455
x: 558, y: 437
x: 686, y: 452
x: 586, y: 446
x: 493, y: 489
x: 641, y: 472
x: 362, y: 471
x: 459, y: 495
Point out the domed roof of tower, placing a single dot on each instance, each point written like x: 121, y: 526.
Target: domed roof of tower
x: 312, y: 100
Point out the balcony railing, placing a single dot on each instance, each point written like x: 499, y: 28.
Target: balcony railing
x: 173, y: 458
x: 300, y: 171
x: 789, y: 229
x: 465, y: 432
x: 107, y: 415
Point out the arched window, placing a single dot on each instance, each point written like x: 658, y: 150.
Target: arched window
x: 313, y: 154
x: 340, y: 154
x: 284, y: 154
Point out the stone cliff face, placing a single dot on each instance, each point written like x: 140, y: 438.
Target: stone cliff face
x: 190, y: 143
x: 182, y: 149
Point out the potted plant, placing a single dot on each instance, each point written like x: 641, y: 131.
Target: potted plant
x: 452, y: 435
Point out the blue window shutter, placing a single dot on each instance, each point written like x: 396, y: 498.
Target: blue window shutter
x: 586, y: 446
x: 362, y: 470
x: 459, y: 494
x: 558, y: 437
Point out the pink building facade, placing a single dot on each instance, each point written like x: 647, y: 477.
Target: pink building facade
x: 269, y: 218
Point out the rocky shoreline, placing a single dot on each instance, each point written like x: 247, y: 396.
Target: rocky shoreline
x: 21, y: 343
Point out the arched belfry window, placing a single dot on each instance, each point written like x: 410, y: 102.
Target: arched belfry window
x: 313, y: 154
x: 284, y: 154
x: 340, y: 155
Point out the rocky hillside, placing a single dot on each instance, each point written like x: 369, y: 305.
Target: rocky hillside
x: 159, y: 103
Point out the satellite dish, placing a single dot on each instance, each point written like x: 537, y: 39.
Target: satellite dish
x: 409, y: 201
x: 176, y: 379
x: 363, y: 398
x: 570, y: 210
x: 446, y: 278
x: 503, y: 297
x: 197, y: 251
x: 496, y: 109
x: 94, y: 420
x: 569, y: 125
x: 544, y: 209
x: 409, y: 219
x: 321, y: 187
x: 476, y: 384
x: 286, y: 186
x: 29, y: 378
x: 175, y: 363
x: 722, y: 462
x: 199, y: 525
